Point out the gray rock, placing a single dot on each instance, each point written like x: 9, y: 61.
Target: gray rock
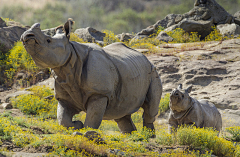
x: 51, y: 31
x: 237, y: 21
x: 2, y: 23
x: 185, y: 110
x: 6, y: 106
x: 90, y: 34
x: 116, y: 152
x: 212, y: 11
x: 125, y: 37
x: 16, y: 94
x: 48, y: 82
x: 94, y: 136
x: 99, y: 81
x: 202, y: 27
x: 230, y: 30
x: 162, y: 36
x: 50, y: 97
x: 10, y: 35
x: 77, y: 133
x: 237, y: 15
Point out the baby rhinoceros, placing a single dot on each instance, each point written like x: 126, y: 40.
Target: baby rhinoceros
x: 185, y: 110
x: 107, y: 83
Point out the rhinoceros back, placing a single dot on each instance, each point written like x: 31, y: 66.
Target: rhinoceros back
x: 135, y: 73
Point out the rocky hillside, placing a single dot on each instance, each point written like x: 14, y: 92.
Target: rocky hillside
x: 212, y: 68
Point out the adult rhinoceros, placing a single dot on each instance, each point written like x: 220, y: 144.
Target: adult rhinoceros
x: 107, y: 83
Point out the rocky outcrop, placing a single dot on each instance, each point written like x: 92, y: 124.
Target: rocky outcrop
x: 9, y: 35
x: 16, y: 94
x: 2, y: 23
x: 163, y: 36
x: 124, y: 37
x: 213, y: 69
x: 201, y: 18
x: 202, y: 27
x: 237, y: 15
x: 229, y: 29
x: 90, y: 34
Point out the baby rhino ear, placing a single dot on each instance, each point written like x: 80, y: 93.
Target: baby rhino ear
x: 67, y: 27
x: 189, y: 89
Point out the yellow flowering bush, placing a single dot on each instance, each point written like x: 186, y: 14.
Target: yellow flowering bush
x: 235, y: 131
x: 19, y: 59
x: 74, y: 37
x: 180, y: 36
x: 36, y: 104
x: 204, y: 138
x: 109, y: 38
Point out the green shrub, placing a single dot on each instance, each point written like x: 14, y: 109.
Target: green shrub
x: 164, y: 103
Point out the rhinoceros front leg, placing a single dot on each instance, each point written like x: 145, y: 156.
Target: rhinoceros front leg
x: 65, y: 114
x: 96, y: 107
x: 125, y: 124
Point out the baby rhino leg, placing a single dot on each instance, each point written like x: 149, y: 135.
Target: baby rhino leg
x: 65, y: 114
x: 125, y: 124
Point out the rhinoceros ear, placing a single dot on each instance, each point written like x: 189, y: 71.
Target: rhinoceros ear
x: 189, y: 89
x: 68, y: 27
x: 179, y: 87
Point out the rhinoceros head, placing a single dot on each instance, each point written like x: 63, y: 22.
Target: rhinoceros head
x: 179, y: 99
x: 47, y: 51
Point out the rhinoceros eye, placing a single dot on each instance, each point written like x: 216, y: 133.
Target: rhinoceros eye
x: 48, y: 40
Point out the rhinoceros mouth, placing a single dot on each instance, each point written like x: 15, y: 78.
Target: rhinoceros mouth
x: 29, y: 38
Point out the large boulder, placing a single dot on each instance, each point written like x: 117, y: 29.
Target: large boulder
x: 163, y: 36
x: 202, y: 27
x: 51, y: 31
x: 2, y: 23
x: 9, y: 35
x: 90, y: 34
x: 168, y: 21
x: 16, y: 94
x: 229, y: 29
x: 124, y: 37
x: 199, y: 19
x: 237, y: 15
x: 237, y: 18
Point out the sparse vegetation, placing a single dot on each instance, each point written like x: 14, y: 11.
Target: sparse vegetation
x: 34, y: 131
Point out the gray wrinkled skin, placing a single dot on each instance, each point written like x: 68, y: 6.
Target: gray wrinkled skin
x: 185, y: 110
x: 107, y: 83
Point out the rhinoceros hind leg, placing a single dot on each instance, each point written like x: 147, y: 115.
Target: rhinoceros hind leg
x: 65, y: 114
x: 151, y: 102
x: 125, y: 124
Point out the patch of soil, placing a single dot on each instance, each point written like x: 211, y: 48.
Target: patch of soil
x: 10, y: 146
x: 168, y: 149
x: 40, y: 149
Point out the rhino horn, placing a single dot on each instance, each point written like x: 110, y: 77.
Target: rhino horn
x: 68, y: 26
x: 189, y: 89
x: 179, y: 86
